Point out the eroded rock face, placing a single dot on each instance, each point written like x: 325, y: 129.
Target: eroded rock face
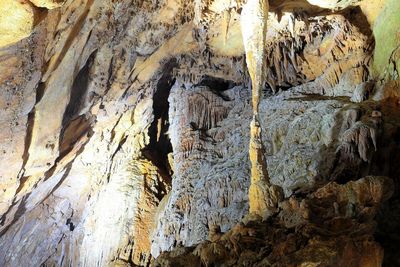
x: 126, y: 131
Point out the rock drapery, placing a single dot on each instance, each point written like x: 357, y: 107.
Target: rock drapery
x: 125, y: 135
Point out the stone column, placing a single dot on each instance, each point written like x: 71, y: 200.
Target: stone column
x: 263, y: 197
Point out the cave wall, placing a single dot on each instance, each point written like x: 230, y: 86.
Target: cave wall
x: 126, y: 123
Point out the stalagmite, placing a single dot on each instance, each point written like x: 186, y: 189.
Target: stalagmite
x: 263, y: 197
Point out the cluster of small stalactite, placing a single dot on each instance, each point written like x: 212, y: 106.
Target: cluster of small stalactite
x: 187, y: 146
x: 290, y: 54
x: 206, y: 109
x: 207, y: 11
x: 340, y: 63
x: 190, y: 142
x: 361, y: 136
x: 284, y: 64
x: 282, y: 55
x: 191, y: 70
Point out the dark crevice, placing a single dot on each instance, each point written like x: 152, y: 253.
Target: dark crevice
x: 78, y: 92
x: 121, y: 143
x: 40, y: 91
x: 70, y: 224
x: 28, y: 140
x: 160, y: 145
x: 74, y: 131
x: 20, y: 211
x: 217, y: 85
x: 75, y: 126
x: 357, y: 18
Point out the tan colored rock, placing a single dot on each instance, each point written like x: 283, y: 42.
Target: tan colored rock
x: 49, y: 4
x: 226, y: 35
x: 369, y: 191
x: 262, y: 196
x: 180, y: 43
x: 372, y: 9
x: 17, y: 18
x: 168, y: 12
x: 333, y: 4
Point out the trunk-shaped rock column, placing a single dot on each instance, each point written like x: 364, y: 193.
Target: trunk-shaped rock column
x: 263, y: 196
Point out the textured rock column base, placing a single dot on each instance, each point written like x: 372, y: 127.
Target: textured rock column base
x: 263, y: 197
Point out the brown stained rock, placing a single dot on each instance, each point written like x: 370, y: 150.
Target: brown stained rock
x: 215, y: 233
x: 331, y: 240
x: 369, y: 191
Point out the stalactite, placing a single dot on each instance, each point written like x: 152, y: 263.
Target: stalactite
x: 361, y: 135
x: 206, y: 110
x: 358, y: 139
x: 225, y: 24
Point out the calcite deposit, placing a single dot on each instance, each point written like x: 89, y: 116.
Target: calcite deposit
x: 199, y: 133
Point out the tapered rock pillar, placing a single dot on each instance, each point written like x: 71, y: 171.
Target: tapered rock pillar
x: 263, y: 197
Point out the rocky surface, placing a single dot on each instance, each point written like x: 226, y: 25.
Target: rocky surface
x: 330, y: 227
x: 126, y: 133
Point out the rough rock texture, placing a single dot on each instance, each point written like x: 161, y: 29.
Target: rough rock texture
x: 330, y: 227
x: 209, y: 189
x: 126, y: 130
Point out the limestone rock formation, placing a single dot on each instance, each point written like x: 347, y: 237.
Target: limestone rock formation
x: 330, y: 227
x: 143, y: 132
